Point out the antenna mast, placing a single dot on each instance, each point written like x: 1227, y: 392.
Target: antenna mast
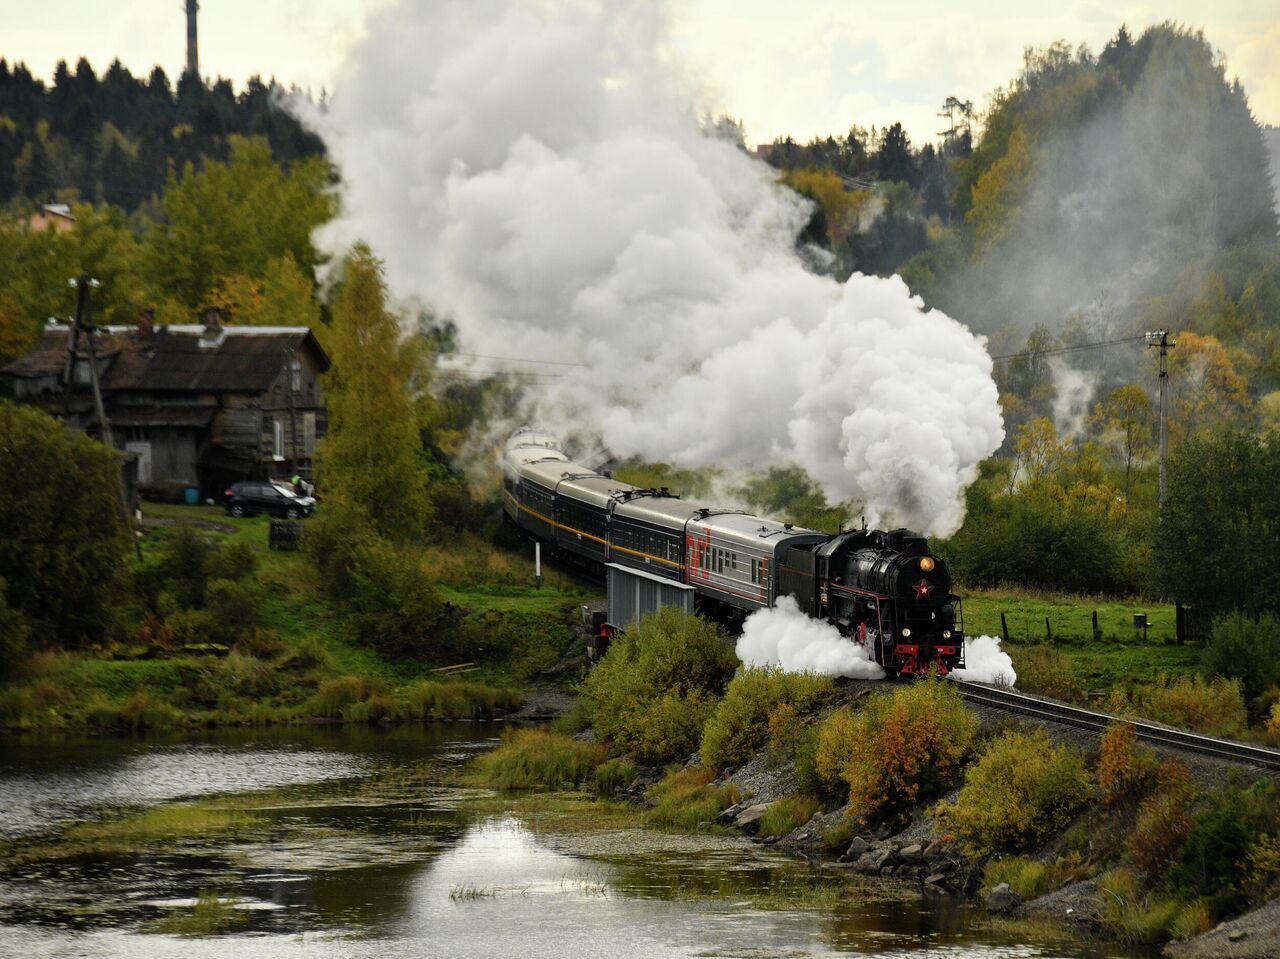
x: 193, y: 51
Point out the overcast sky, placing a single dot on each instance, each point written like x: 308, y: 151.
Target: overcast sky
x: 806, y: 67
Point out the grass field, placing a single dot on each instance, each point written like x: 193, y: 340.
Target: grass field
x: 1120, y: 654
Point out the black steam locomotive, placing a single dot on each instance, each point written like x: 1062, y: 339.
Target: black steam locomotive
x: 881, y: 589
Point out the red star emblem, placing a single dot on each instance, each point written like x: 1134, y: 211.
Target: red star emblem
x: 922, y: 589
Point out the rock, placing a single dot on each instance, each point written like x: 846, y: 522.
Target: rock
x: 936, y: 879
x: 1237, y: 935
x: 933, y: 849
x: 749, y: 819
x: 856, y: 848
x: 1002, y: 899
x: 886, y: 857
x: 867, y: 864
x: 727, y: 816
x: 911, y: 853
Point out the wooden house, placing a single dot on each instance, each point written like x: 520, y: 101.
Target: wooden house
x: 199, y: 405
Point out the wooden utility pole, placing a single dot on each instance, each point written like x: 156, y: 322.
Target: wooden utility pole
x: 84, y: 324
x: 193, y: 50
x: 1160, y: 338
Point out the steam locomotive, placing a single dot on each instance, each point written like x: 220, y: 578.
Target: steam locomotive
x: 882, y: 589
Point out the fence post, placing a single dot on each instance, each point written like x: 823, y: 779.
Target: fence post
x: 1180, y: 618
x: 537, y: 565
x: 1097, y: 633
x: 1004, y: 627
x: 1048, y: 633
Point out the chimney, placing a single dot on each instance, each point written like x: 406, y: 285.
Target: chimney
x: 193, y: 50
x: 214, y: 333
x: 146, y: 322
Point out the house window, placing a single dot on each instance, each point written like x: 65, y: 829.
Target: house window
x: 277, y: 439
x: 295, y: 376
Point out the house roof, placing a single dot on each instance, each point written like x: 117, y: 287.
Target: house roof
x: 179, y: 358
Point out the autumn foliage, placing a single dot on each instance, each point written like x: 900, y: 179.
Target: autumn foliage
x: 1125, y: 770
x: 898, y: 748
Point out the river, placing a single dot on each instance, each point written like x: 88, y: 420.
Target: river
x: 364, y: 845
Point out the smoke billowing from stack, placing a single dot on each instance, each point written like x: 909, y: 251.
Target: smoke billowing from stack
x: 542, y: 180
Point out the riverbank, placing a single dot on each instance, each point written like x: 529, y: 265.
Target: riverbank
x: 264, y: 646
x: 1039, y: 824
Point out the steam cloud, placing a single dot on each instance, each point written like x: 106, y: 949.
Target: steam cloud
x: 784, y: 636
x: 986, y: 662
x: 541, y: 179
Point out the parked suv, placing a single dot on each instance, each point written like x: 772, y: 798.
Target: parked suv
x: 250, y: 497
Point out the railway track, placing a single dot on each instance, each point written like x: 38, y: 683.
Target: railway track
x: 1047, y: 709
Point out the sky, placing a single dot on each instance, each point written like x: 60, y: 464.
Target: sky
x: 809, y: 67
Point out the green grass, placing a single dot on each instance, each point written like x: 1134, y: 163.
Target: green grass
x: 1120, y: 655
x: 1032, y: 878
x: 787, y: 814
x: 210, y: 915
x: 686, y: 799
x: 538, y: 759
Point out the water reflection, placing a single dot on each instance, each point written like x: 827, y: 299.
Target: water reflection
x: 371, y: 853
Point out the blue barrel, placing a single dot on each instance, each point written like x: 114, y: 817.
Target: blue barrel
x: 193, y: 496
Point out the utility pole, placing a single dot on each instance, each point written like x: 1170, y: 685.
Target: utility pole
x: 84, y: 324
x: 193, y: 51
x: 1160, y: 338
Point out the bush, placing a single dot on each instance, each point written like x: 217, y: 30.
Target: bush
x: 457, y: 700
x: 658, y: 685
x: 1215, y: 855
x: 1262, y: 881
x: 614, y: 775
x: 740, y: 724
x: 1125, y: 770
x: 233, y: 609
x: 1021, y: 790
x: 1246, y: 650
x: 394, y: 607
x: 1138, y: 918
x: 899, y: 747
x: 1163, y: 820
x: 63, y: 541
x: 787, y: 814
x: 1046, y: 671
x: 14, y: 631
x: 535, y: 758
x: 335, y: 695
x: 1032, y: 878
x: 1215, y: 707
x: 687, y: 800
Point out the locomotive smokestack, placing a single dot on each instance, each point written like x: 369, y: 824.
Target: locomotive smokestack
x: 193, y: 51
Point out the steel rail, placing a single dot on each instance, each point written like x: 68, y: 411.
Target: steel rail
x: 1088, y: 719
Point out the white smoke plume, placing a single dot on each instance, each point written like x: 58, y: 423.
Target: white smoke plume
x: 784, y: 636
x: 986, y: 662
x: 541, y: 179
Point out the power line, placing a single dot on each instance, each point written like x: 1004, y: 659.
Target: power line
x: 516, y: 359
x: 1071, y: 349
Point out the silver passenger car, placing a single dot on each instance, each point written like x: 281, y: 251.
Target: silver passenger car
x: 734, y: 557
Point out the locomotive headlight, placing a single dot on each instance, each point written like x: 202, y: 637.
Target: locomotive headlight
x: 946, y: 634
x: 906, y: 632
x: 926, y: 564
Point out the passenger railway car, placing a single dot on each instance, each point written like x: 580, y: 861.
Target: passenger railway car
x: 881, y: 589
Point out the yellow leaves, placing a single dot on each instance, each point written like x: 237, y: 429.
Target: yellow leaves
x: 1206, y: 387
x: 843, y: 208
x: 999, y: 192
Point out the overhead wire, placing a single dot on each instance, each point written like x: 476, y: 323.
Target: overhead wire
x: 1054, y: 351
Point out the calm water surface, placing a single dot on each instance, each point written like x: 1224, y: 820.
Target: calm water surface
x: 370, y: 849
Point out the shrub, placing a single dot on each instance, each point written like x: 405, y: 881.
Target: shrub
x: 1125, y: 770
x: 1021, y: 790
x: 1246, y: 650
x: 14, y: 630
x: 1272, y: 729
x: 787, y: 814
x: 393, y: 606
x: 687, y: 800
x: 233, y: 609
x: 457, y: 700
x: 1032, y: 878
x: 142, y: 711
x: 614, y: 775
x: 63, y: 542
x: 1214, y: 707
x: 1263, y: 877
x: 247, y: 675
x: 1163, y: 820
x: 1216, y: 852
x: 1047, y: 671
x: 899, y: 747
x: 534, y: 758
x: 234, y: 560
x: 740, y: 723
x: 182, y: 566
x: 335, y: 695
x: 658, y: 685
x: 1138, y: 918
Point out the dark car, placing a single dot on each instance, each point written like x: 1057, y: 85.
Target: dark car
x: 250, y: 497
